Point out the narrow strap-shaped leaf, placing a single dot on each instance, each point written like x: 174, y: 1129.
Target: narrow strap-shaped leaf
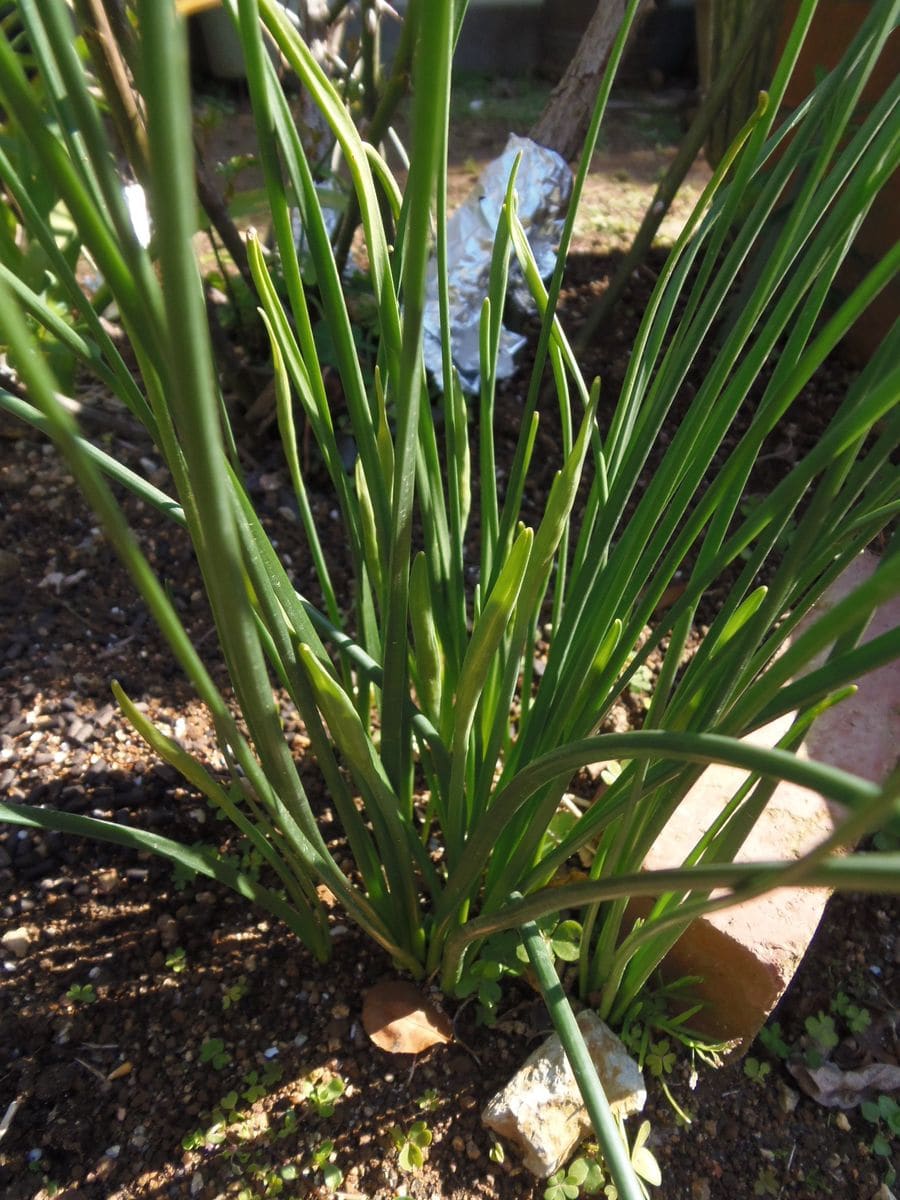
x: 428, y: 661
x: 204, y: 862
x: 869, y: 872
x: 306, y: 378
x: 101, y: 354
x: 287, y: 430
x: 498, y: 610
x: 432, y: 76
x: 139, y: 311
x: 257, y: 832
x: 277, y: 130
x: 836, y: 672
x: 281, y: 643
x: 615, y: 1151
x: 397, y: 842
x: 561, y: 764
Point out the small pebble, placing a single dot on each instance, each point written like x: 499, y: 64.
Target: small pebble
x: 168, y: 931
x: 787, y: 1098
x: 16, y: 941
x: 842, y: 1123
x: 108, y: 881
x: 883, y: 1193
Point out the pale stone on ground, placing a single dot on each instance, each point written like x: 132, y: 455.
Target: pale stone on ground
x: 747, y: 954
x: 541, y: 1111
x: 16, y: 941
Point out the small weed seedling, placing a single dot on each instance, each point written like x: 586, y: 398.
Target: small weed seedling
x: 429, y: 1101
x: 772, y: 1038
x: 583, y: 1176
x: 235, y: 993
x: 766, y: 1183
x: 856, y: 1019
x: 504, y: 955
x: 823, y: 1032
x: 266, y: 1181
x: 324, y: 1160
x: 322, y: 1089
x: 177, y: 961
x: 82, y: 993
x: 413, y: 1145
x: 257, y: 1084
x: 50, y: 1187
x: 213, y: 1051
x: 288, y: 1125
x: 823, y: 1038
x: 586, y: 1175
x: 884, y: 1114
x: 757, y: 1071
x: 650, y: 1017
x: 230, y: 1116
x: 213, y: 1135
x: 641, y: 685
x: 660, y: 1061
x: 642, y: 1159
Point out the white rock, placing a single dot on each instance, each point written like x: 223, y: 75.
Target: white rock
x: 17, y: 941
x: 541, y: 1111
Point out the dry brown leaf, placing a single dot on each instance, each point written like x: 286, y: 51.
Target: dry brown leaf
x: 830, y: 1086
x: 399, y: 1019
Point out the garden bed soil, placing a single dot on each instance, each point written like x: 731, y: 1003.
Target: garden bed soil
x: 112, y: 1091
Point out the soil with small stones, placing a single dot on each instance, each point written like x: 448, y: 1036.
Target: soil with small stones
x: 114, y: 1096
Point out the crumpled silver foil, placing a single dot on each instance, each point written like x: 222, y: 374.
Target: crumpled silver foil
x: 543, y: 188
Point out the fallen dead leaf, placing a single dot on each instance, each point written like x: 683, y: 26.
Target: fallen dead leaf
x: 400, y: 1020
x: 830, y: 1086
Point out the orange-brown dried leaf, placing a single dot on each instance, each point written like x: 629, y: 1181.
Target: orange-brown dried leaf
x: 400, y: 1020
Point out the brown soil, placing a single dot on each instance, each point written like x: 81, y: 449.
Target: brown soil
x: 109, y: 1087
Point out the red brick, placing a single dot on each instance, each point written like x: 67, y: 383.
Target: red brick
x: 747, y: 954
